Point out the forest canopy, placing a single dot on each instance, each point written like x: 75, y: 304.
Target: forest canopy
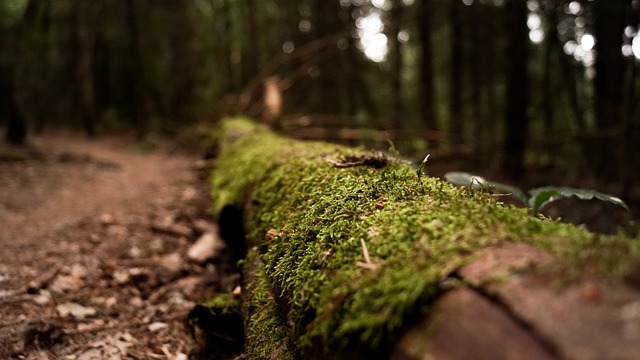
x: 514, y: 85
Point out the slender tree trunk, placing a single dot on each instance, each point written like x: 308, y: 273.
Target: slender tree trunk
x: 183, y: 62
x: 45, y: 71
x: 395, y: 59
x: 610, y: 71
x: 253, y: 46
x: 478, y: 49
x: 426, y: 87
x: 17, y: 123
x: 457, y: 55
x: 102, y: 66
x: 136, y: 76
x: 517, y: 125
x: 84, y: 17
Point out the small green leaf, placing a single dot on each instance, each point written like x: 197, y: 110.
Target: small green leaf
x: 540, y: 197
x: 544, y: 195
x: 420, y: 170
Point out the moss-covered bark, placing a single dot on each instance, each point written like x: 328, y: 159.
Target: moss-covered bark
x: 347, y: 245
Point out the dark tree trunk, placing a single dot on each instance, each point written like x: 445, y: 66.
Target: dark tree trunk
x: 84, y: 18
x: 395, y: 59
x: 457, y: 55
x: 517, y: 121
x: 478, y: 42
x: 610, y: 71
x: 426, y: 88
x: 135, y: 79
x: 102, y: 66
x: 253, y: 46
x: 17, y: 123
x: 325, y: 24
x: 183, y: 62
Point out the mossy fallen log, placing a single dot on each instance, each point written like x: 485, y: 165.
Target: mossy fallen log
x: 352, y: 253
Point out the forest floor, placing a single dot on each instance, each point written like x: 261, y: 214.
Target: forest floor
x: 94, y: 237
x: 95, y: 244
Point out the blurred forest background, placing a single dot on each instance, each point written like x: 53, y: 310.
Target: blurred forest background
x: 541, y: 91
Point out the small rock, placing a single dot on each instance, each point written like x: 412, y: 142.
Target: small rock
x: 65, y: 283
x: 118, y: 232
x: 136, y: 302
x: 172, y: 262
x: 106, y: 219
x: 121, y: 276
x: 203, y: 226
x: 157, y: 326
x: 189, y: 193
x: 74, y: 309
x: 135, y: 252
x: 43, y: 297
x: 173, y: 229
x: 208, y: 246
x: 78, y: 271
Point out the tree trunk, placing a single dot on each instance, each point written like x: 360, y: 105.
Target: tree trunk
x: 395, y: 59
x: 85, y: 31
x: 517, y: 126
x: 352, y: 254
x: 610, y: 70
x: 456, y: 111
x: 17, y: 123
x: 183, y: 63
x: 138, y: 99
x: 426, y: 86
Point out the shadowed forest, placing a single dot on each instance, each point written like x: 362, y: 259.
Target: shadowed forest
x: 533, y: 92
x: 123, y: 122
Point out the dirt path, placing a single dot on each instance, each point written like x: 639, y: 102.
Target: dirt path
x: 93, y: 243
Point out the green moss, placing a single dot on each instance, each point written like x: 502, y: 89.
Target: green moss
x: 266, y: 333
x: 310, y: 217
x: 223, y: 304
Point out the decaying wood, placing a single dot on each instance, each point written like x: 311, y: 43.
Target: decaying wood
x: 511, y: 301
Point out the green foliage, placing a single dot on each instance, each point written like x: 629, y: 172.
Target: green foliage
x: 544, y: 195
x: 538, y: 198
x: 11, y: 12
x: 311, y: 222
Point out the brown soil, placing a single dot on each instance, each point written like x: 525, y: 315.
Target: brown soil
x: 93, y: 243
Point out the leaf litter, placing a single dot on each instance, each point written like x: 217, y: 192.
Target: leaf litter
x: 95, y: 260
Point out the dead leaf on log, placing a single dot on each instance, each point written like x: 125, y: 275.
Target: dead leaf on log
x: 374, y: 159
